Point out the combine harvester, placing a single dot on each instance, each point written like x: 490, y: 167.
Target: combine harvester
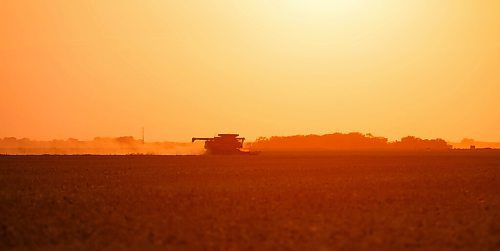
x: 224, y: 144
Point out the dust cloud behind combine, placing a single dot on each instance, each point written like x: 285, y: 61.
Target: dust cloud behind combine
x: 104, y: 146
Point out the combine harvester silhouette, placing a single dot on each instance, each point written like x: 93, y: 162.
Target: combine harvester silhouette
x: 224, y: 143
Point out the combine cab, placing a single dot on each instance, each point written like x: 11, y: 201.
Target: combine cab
x: 223, y: 144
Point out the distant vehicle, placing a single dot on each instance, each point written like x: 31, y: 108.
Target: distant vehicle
x: 223, y: 144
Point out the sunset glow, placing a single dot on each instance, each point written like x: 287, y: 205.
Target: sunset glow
x: 249, y: 125
x: 259, y: 68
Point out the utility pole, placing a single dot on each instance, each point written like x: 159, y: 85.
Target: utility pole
x: 143, y: 135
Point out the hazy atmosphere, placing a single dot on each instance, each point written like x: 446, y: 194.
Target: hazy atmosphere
x: 249, y: 125
x: 84, y: 69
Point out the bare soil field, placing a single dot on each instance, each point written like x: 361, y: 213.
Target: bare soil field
x: 346, y: 201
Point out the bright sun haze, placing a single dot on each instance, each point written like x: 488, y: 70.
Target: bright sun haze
x: 259, y: 68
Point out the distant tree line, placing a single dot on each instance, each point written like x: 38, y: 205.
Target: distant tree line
x: 341, y: 141
x: 129, y: 145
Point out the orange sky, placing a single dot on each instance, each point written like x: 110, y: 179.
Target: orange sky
x: 194, y: 68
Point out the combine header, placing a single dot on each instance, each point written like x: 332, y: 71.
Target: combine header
x: 223, y: 144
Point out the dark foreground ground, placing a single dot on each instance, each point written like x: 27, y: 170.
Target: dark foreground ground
x: 428, y: 201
